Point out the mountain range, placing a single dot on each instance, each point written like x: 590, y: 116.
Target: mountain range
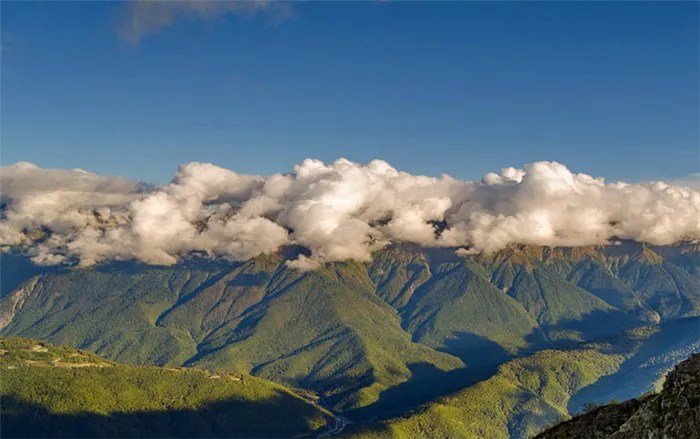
x: 419, y: 342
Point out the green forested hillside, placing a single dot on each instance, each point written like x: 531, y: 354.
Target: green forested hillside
x: 324, y: 330
x: 522, y: 395
x: 372, y: 338
x: 55, y: 391
x: 528, y: 393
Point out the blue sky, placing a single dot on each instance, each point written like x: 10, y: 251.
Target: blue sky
x: 463, y: 88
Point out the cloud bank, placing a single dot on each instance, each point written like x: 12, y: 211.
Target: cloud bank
x: 338, y: 211
x: 144, y: 17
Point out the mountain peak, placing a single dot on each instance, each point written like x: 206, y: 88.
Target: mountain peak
x: 646, y: 255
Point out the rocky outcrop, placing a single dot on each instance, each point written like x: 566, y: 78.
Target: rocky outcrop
x: 10, y: 304
x: 674, y: 413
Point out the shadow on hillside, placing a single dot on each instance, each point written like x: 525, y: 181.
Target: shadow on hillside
x: 482, y: 357
x: 476, y: 351
x: 258, y: 279
x: 592, y: 326
x: 283, y: 416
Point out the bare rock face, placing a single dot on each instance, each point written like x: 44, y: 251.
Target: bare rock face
x: 14, y: 301
x: 674, y: 413
x: 600, y: 423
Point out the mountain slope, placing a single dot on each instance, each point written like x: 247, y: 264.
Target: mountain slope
x: 329, y: 330
x: 436, y: 315
x: 528, y: 393
x: 523, y: 394
x: 671, y: 290
x: 325, y: 330
x: 55, y: 391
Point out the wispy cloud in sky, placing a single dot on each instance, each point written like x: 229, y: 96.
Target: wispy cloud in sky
x: 145, y: 17
x: 6, y: 40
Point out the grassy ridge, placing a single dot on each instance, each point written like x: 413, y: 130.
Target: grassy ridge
x: 54, y: 391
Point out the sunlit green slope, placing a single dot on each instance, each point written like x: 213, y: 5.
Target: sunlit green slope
x: 56, y: 391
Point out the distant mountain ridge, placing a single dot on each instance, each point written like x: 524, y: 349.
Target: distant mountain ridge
x: 357, y: 333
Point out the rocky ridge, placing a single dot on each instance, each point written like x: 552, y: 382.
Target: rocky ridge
x: 672, y: 413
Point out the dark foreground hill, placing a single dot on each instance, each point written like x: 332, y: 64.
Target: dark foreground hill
x: 56, y: 391
x: 673, y: 413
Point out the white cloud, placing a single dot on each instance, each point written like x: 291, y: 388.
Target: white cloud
x: 339, y: 211
x: 145, y: 17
